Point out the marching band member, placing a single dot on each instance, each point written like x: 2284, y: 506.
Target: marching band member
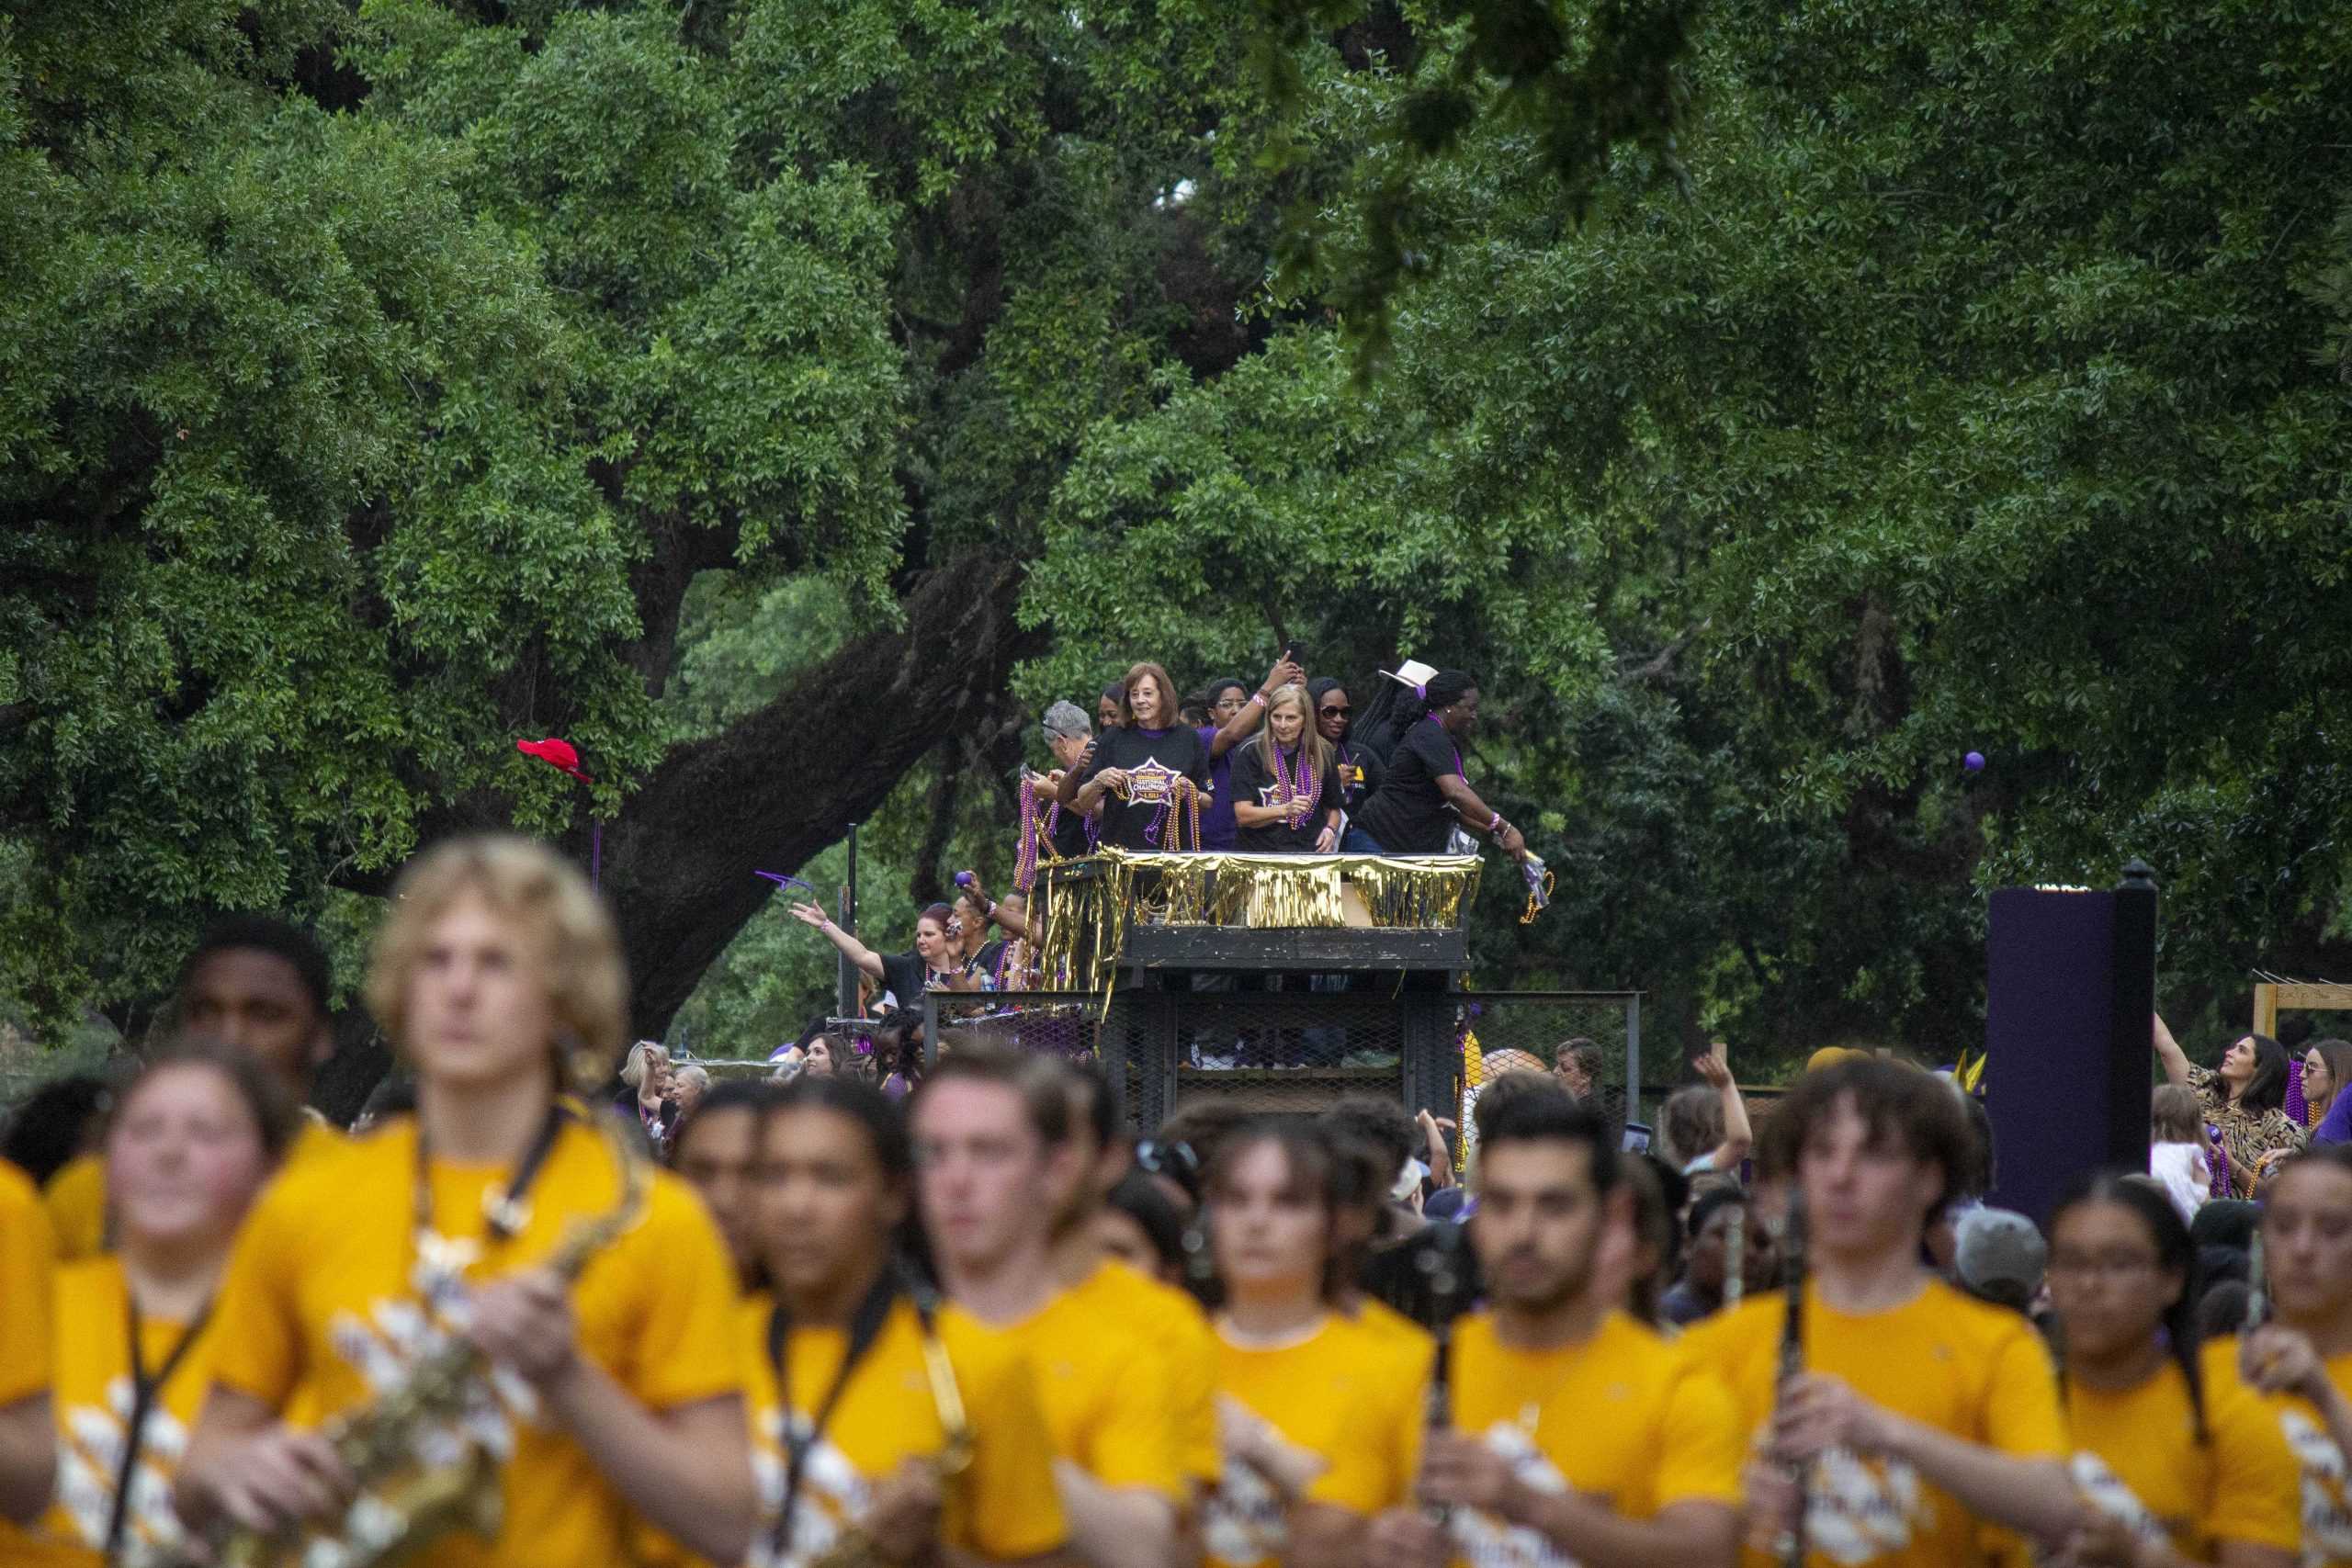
x: 1917, y: 1406
x: 1574, y: 1434
x: 2180, y: 1461
x: 605, y: 1409
x: 2304, y: 1360
x: 27, y: 1442
x: 864, y: 1439
x: 1100, y: 1286
x: 1319, y: 1415
x: 994, y: 1167
x: 191, y: 1141
x: 254, y: 983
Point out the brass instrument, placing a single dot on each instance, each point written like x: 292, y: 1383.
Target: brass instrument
x: 856, y: 1549
x: 405, y: 1504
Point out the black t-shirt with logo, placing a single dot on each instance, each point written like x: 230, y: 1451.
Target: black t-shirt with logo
x: 1409, y: 815
x: 1152, y: 759
x: 1254, y: 782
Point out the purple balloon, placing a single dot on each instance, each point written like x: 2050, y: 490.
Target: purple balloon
x: 1974, y: 762
x: 962, y: 879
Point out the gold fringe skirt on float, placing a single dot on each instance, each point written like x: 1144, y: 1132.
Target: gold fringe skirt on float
x: 1090, y: 903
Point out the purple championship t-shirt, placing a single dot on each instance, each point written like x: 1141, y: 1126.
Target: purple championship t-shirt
x: 1217, y: 823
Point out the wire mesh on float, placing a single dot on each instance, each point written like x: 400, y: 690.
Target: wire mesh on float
x: 1295, y: 1043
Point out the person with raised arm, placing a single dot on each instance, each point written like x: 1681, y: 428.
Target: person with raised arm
x: 1921, y: 1416
x: 1574, y: 1433
x: 1424, y: 796
x: 1233, y: 717
x: 2245, y: 1098
x: 498, y: 976
x: 933, y: 964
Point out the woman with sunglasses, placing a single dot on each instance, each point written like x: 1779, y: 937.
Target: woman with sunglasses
x: 1358, y: 770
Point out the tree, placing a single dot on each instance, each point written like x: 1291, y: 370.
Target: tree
x: 1967, y: 400
x: 387, y: 380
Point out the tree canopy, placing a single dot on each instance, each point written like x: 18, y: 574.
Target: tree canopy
x: 785, y: 400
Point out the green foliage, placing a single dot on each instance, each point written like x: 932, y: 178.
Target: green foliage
x: 1773, y: 409
x: 1965, y: 399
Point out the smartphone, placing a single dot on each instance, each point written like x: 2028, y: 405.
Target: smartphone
x: 1296, y: 654
x: 1637, y: 1138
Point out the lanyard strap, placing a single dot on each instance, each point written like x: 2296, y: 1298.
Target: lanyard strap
x: 505, y: 1214
x: 866, y: 1326
x: 144, y: 1392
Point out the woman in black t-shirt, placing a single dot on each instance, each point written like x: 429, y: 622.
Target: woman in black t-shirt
x: 1285, y: 789
x: 1134, y: 773
x: 1358, y: 770
x: 934, y: 962
x: 1425, y: 794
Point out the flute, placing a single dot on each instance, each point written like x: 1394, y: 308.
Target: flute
x: 1792, y: 1276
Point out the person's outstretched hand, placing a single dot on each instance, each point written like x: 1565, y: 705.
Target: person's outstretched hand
x: 1715, y: 1066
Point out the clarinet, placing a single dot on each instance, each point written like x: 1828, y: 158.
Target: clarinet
x: 1792, y: 1367
x: 1444, y: 1271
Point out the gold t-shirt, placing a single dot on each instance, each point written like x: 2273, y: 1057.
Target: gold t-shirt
x: 28, y: 1274
x: 2137, y: 1458
x: 76, y: 1195
x: 1624, y: 1417
x: 1180, y: 1332
x: 320, y: 1312
x: 1352, y: 1396
x: 2324, y: 1486
x: 1977, y: 1372
x: 91, y: 1401
x: 76, y: 1199
x: 1003, y: 1506
x: 1113, y: 1393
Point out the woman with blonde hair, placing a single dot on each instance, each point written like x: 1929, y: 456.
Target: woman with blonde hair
x: 1286, y: 788
x: 647, y: 1074
x: 498, y: 976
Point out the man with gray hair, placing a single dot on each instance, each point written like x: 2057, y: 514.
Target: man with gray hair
x: 1070, y: 738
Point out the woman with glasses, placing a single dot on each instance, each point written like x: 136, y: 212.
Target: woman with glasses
x: 2180, y: 1461
x: 1358, y: 770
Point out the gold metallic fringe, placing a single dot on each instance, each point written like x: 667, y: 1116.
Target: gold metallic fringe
x: 1089, y: 903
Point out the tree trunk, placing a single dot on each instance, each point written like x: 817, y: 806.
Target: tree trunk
x: 783, y: 784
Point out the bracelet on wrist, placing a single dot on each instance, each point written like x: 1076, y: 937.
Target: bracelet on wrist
x: 1258, y: 697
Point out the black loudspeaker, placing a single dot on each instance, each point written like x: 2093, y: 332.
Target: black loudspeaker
x: 2070, y: 1000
